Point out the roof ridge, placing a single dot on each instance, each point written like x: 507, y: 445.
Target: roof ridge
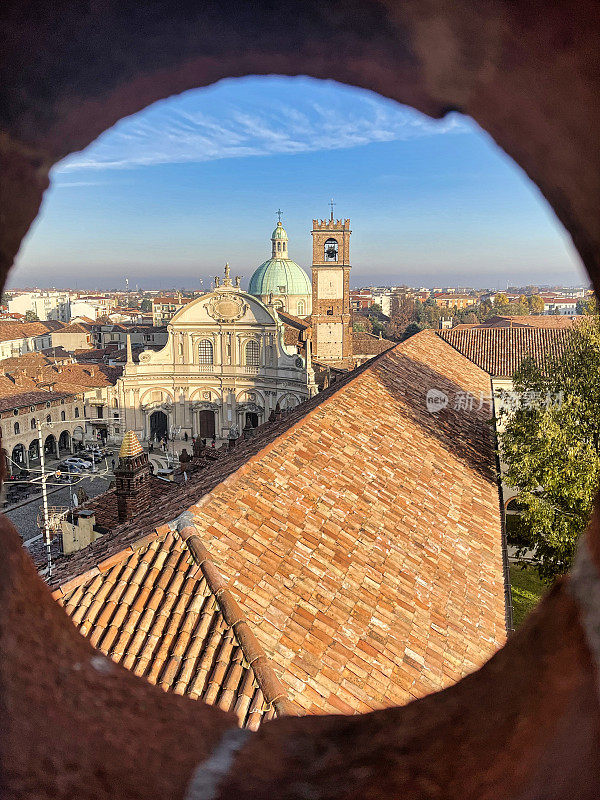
x: 272, y: 688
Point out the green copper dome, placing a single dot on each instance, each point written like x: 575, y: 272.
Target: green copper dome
x: 280, y: 276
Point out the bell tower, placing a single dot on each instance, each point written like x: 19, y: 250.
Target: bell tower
x: 331, y: 323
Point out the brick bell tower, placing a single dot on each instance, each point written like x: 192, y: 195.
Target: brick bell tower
x: 132, y: 477
x: 331, y: 324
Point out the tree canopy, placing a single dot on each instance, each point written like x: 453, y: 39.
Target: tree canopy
x: 551, y: 446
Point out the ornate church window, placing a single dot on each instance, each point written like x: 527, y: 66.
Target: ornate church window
x: 205, y: 352
x: 331, y: 250
x: 252, y: 353
x: 300, y: 307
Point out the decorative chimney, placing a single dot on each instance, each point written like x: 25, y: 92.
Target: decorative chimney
x: 132, y: 477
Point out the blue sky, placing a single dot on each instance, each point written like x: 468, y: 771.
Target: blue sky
x: 168, y: 195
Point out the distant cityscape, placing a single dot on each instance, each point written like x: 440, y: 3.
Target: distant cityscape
x: 157, y: 307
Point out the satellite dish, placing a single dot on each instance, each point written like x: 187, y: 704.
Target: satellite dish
x: 75, y: 501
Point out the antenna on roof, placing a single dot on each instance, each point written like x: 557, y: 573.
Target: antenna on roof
x: 331, y: 203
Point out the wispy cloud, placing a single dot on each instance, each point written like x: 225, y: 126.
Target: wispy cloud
x: 76, y: 184
x: 256, y: 117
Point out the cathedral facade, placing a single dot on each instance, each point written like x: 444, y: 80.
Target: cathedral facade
x: 225, y: 367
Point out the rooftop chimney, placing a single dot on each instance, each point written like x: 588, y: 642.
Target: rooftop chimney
x: 132, y: 477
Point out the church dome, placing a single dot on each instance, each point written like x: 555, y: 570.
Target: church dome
x: 279, y: 276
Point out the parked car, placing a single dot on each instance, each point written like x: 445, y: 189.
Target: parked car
x: 78, y: 462
x: 65, y: 466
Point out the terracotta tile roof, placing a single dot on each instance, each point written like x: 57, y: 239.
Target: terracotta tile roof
x: 10, y: 386
x: 35, y: 359
x: 130, y: 446
x: 23, y: 330
x: 296, y: 322
x: 52, y: 324
x: 499, y: 350
x: 79, y: 376
x: 23, y: 399
x: 75, y: 327
x: 86, y: 320
x: 295, y: 330
x: 367, y: 344
x: 361, y: 540
x: 174, y: 631
x: 533, y: 321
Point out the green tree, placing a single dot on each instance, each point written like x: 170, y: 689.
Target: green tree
x: 31, y: 316
x: 516, y: 310
x: 587, y: 306
x: 403, y: 312
x: 411, y: 330
x: 536, y: 304
x: 551, y: 445
x: 146, y: 304
x: 500, y: 303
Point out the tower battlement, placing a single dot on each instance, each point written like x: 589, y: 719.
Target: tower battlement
x: 331, y: 224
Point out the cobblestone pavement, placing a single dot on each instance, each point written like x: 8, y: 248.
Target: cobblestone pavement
x: 24, y: 518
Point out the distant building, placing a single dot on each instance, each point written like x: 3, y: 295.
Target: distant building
x: 108, y: 334
x: 164, y: 308
x: 554, y: 304
x: 45, y: 305
x: 453, y: 300
x: 361, y: 299
x: 18, y: 338
x: 93, y: 306
x: 59, y: 415
x: 75, y: 336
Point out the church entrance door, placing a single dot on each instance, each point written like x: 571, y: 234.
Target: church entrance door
x: 252, y: 418
x: 158, y: 425
x: 207, y: 424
